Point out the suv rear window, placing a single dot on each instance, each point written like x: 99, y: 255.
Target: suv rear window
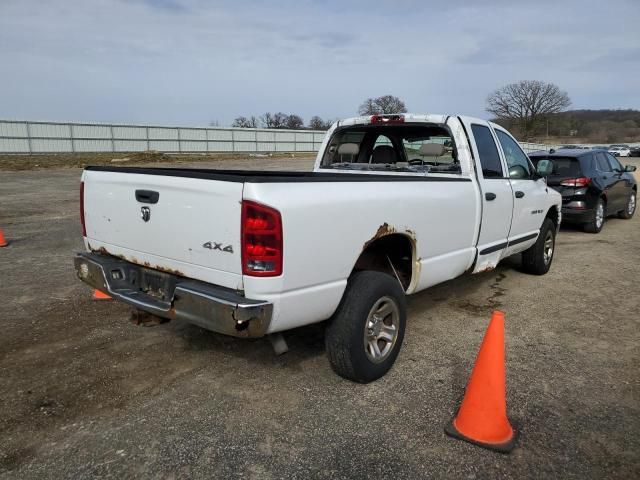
x: 567, y: 167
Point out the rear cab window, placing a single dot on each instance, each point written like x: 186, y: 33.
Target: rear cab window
x: 487, y: 151
x: 418, y: 147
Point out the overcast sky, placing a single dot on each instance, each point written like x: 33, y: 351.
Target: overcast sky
x: 194, y: 61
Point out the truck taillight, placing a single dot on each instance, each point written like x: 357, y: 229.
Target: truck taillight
x: 261, y: 240
x: 84, y: 228
x: 387, y: 119
x: 576, y: 182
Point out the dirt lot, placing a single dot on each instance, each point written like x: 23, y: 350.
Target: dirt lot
x: 85, y: 393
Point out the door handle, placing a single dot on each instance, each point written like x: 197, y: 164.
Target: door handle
x: 147, y: 196
x: 519, y: 194
x: 490, y: 196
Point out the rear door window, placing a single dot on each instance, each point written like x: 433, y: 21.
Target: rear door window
x: 488, y: 152
x: 613, y: 161
x: 602, y: 163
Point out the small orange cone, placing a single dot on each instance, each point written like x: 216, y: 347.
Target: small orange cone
x: 98, y: 295
x: 482, y: 418
x: 3, y: 241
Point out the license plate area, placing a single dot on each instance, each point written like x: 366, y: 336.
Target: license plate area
x: 156, y: 284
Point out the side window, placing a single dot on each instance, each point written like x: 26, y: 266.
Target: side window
x: 517, y: 160
x: 602, y: 164
x: 488, y: 152
x: 613, y: 161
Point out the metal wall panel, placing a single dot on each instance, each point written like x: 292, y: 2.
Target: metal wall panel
x: 91, y: 131
x: 219, y: 134
x: 13, y: 129
x: 244, y: 136
x: 14, y: 145
x: 157, y: 133
x: 47, y: 145
x: 266, y: 147
x: 193, y: 134
x: 130, y: 145
x: 304, y: 137
x: 93, y: 145
x: 285, y: 147
x: 303, y: 147
x: 133, y: 133
x: 193, y: 146
x: 285, y: 136
x: 50, y: 130
x: 265, y: 136
x: 219, y: 146
x: 245, y: 147
x: 164, y: 145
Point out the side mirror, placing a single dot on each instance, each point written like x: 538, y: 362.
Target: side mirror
x: 545, y: 167
x: 630, y: 168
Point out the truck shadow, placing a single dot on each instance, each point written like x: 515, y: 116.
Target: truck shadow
x: 306, y: 343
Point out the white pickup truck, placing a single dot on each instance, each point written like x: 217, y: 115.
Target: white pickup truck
x: 394, y: 205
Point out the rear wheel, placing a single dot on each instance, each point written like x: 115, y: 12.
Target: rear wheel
x: 597, y: 220
x: 537, y: 258
x: 366, y: 332
x: 630, y: 209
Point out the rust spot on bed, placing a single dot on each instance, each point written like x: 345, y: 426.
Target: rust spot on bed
x: 134, y: 260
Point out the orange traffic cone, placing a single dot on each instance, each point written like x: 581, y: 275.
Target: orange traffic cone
x: 98, y: 295
x: 3, y: 241
x: 482, y: 418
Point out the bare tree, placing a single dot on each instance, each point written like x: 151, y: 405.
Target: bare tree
x: 244, y: 122
x: 527, y: 102
x: 294, y: 122
x: 317, y: 123
x: 384, y: 104
x: 274, y: 120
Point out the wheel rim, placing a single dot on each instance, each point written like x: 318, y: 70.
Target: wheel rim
x: 599, y: 215
x: 631, y: 207
x: 548, y: 247
x: 381, y: 329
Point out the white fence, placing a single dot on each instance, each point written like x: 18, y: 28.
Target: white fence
x: 53, y: 137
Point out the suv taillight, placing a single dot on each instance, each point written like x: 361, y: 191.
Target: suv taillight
x: 84, y: 228
x: 576, y: 182
x: 261, y: 240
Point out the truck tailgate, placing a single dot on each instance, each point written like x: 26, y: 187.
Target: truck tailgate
x: 193, y: 222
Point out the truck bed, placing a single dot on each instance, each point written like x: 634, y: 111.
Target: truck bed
x: 262, y: 176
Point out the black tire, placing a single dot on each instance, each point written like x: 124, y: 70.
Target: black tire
x: 630, y: 208
x: 595, y: 225
x: 348, y: 351
x: 536, y: 260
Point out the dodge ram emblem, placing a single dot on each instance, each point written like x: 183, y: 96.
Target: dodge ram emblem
x: 145, y: 213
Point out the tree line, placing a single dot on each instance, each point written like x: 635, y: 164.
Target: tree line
x: 281, y: 120
x: 371, y: 106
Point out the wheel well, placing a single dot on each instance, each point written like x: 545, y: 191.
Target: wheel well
x: 552, y: 214
x: 391, y: 254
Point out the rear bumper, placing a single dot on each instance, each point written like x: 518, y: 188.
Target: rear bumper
x: 571, y: 215
x: 215, y: 308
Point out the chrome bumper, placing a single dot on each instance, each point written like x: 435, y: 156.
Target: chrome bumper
x: 167, y: 295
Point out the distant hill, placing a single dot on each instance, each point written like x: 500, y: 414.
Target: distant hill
x: 586, y: 126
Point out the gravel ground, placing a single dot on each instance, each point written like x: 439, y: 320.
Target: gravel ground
x: 87, y: 394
